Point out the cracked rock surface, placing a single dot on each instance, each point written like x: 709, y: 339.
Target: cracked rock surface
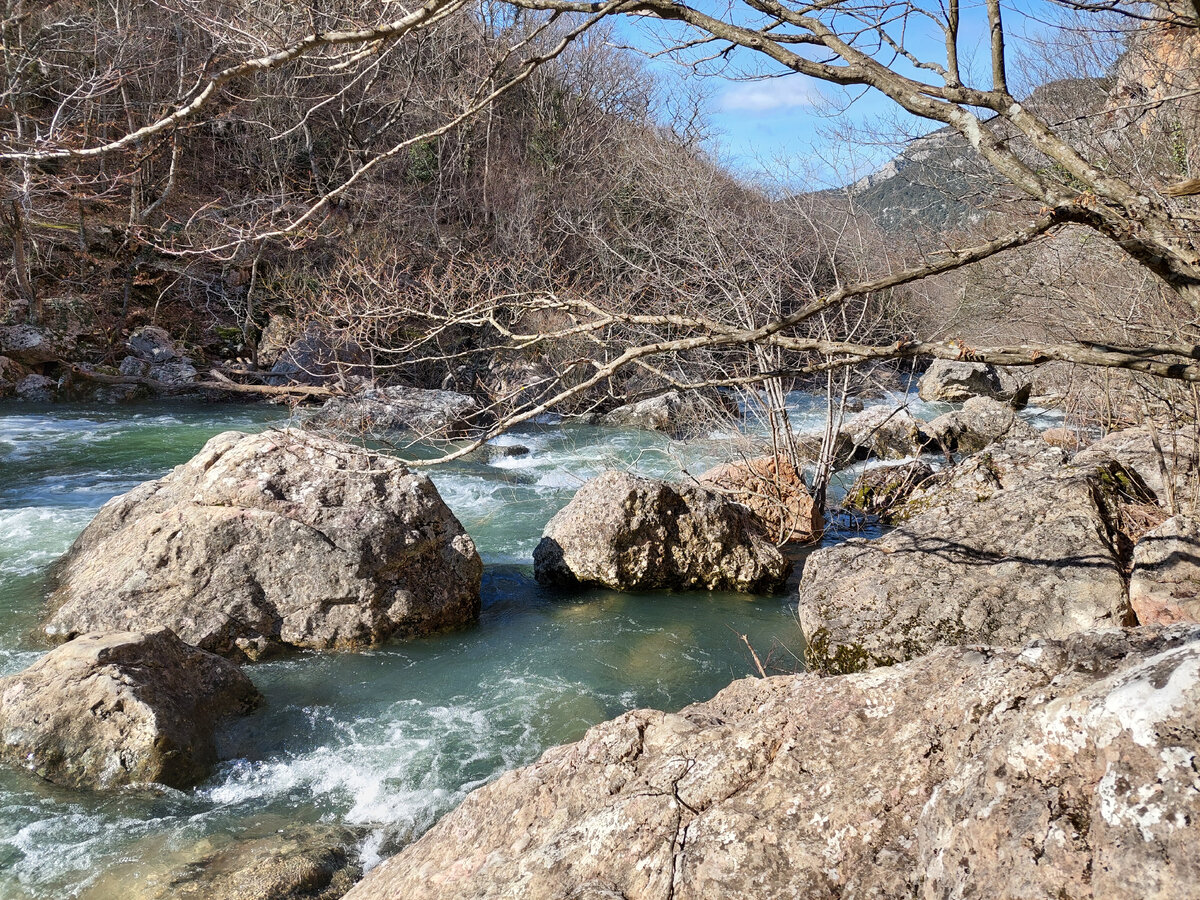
x: 272, y: 541
x: 1064, y: 769
x: 632, y: 534
x: 120, y: 708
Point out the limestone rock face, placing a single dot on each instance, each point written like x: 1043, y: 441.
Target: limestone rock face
x: 775, y: 492
x: 1061, y: 770
x: 956, y: 382
x: 999, y: 550
x: 888, y: 432
x: 1164, y: 586
x: 981, y: 422
x: 638, y: 534
x: 877, y: 491
x: 414, y: 410
x: 115, y: 708
x: 272, y: 541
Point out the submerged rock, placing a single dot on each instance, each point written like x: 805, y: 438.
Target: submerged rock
x: 998, y: 550
x: 638, y: 534
x: 271, y: 541
x: 420, y: 412
x: 775, y: 492
x: 949, y: 381
x: 1164, y: 586
x: 1062, y: 770
x: 878, y: 491
x: 120, y: 708
x: 298, y: 862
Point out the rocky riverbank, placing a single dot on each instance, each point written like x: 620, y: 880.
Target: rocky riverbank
x: 1017, y: 583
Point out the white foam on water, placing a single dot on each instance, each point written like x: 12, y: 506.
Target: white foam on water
x: 33, y: 537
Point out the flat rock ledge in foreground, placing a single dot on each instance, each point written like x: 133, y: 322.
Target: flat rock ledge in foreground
x: 106, y: 710
x: 1066, y: 769
x: 639, y: 534
x: 272, y: 541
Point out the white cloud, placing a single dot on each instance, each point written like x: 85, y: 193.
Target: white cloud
x: 772, y: 95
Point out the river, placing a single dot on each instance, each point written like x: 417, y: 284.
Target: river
x: 386, y: 740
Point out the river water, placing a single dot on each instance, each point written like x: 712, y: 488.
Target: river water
x: 386, y: 740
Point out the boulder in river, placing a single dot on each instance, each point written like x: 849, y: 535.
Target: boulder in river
x: 774, y: 490
x: 998, y: 550
x: 886, y: 432
x: 981, y: 422
x: 271, y: 541
x: 640, y: 534
x: 677, y: 413
x: 420, y: 412
x: 1164, y: 586
x: 949, y: 381
x: 117, y: 708
x: 1063, y: 769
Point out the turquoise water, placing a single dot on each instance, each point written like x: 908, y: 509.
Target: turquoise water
x: 386, y: 740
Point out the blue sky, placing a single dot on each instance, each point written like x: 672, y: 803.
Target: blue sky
x: 784, y: 129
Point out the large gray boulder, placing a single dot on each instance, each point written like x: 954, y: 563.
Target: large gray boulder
x: 639, y: 534
x: 271, y: 541
x: 1164, y: 586
x: 315, y: 356
x: 1065, y: 769
x: 120, y: 708
x: 949, y: 381
x: 980, y: 423
x: 155, y: 355
x: 886, y: 432
x: 675, y: 413
x: 420, y: 412
x: 28, y: 345
x: 1006, y: 547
